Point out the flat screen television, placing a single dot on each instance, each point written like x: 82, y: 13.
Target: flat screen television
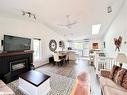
x: 13, y: 43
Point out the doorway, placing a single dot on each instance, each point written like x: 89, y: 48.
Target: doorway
x: 82, y: 48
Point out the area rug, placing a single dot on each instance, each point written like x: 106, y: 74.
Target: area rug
x: 60, y: 85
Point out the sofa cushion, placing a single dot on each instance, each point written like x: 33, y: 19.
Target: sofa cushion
x: 105, y: 73
x: 114, y: 72
x: 113, y: 91
x: 5, y: 90
x: 119, y: 77
x: 124, y: 82
x: 108, y: 82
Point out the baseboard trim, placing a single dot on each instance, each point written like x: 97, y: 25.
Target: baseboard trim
x: 41, y: 65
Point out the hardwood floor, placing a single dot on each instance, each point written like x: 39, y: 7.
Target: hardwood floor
x: 72, y: 69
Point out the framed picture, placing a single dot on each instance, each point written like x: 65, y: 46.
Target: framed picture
x: 95, y: 46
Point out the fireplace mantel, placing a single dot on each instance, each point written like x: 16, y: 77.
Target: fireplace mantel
x: 16, y: 53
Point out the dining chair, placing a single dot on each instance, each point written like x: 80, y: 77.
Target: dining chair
x: 67, y: 57
x: 57, y: 59
x: 64, y: 59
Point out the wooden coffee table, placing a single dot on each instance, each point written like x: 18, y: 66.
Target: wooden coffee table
x: 34, y: 83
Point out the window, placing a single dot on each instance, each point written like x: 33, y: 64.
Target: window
x: 78, y: 46
x: 96, y: 29
x: 36, y: 48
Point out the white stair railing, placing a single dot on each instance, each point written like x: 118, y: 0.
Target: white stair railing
x: 105, y: 63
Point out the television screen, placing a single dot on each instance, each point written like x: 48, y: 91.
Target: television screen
x: 13, y: 43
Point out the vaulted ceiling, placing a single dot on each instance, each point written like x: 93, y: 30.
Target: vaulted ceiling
x: 52, y: 13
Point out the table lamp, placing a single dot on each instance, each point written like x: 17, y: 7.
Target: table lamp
x: 121, y: 58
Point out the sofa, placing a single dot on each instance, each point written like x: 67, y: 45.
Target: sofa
x: 4, y: 89
x: 114, y: 82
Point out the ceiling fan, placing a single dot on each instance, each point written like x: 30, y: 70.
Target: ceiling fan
x: 69, y: 23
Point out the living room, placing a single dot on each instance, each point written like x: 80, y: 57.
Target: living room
x: 63, y: 47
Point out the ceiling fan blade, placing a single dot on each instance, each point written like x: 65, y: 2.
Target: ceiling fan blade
x: 69, y: 27
x: 73, y: 23
x: 68, y: 18
x: 69, y: 24
x: 61, y: 25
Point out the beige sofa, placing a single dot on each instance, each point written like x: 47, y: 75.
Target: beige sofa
x: 108, y: 86
x: 4, y: 89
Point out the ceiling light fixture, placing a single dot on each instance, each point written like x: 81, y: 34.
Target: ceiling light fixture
x: 29, y: 14
x: 96, y: 29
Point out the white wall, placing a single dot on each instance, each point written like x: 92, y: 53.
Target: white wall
x: 126, y: 26
x: 117, y: 28
x: 31, y: 30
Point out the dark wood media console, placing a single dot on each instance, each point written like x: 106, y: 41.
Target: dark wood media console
x: 12, y: 64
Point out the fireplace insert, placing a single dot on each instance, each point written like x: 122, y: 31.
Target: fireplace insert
x: 18, y: 64
x: 17, y: 67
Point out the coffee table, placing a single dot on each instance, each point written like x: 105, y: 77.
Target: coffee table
x: 34, y: 83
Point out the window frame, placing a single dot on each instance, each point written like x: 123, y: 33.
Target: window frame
x: 39, y: 56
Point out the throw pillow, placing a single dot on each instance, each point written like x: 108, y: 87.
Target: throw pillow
x: 114, y: 71
x: 119, y: 77
x: 124, y: 82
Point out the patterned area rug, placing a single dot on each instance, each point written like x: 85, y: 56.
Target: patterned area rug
x: 60, y: 85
